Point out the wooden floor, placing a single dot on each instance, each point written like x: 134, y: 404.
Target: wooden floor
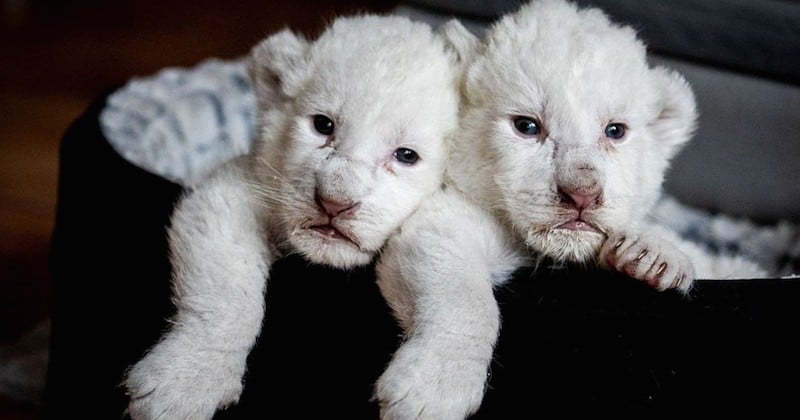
x: 58, y: 55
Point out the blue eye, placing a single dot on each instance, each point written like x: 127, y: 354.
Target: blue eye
x: 407, y: 156
x: 527, y: 126
x: 323, y: 125
x: 615, y: 131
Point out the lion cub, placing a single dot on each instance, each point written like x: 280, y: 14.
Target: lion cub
x: 566, y: 134
x: 353, y: 133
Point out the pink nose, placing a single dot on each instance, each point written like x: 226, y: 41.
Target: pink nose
x: 579, y: 200
x: 334, y: 208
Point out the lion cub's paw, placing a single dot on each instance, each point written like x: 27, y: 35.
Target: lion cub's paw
x: 649, y: 258
x: 431, y: 382
x: 172, y: 384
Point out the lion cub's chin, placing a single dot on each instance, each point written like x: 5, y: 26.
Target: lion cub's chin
x: 565, y: 244
x: 330, y: 248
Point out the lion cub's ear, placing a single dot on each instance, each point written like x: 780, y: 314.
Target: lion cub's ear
x: 277, y: 65
x: 677, y: 118
x: 459, y: 39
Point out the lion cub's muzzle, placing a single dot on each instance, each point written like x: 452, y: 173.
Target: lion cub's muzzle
x: 580, y: 195
x: 336, y: 207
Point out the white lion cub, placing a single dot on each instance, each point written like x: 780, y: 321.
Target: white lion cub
x: 353, y: 133
x: 566, y: 135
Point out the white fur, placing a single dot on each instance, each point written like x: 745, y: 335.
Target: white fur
x: 574, y: 72
x: 387, y: 83
x: 434, y: 277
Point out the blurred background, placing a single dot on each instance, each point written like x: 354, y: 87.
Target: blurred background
x: 57, y: 56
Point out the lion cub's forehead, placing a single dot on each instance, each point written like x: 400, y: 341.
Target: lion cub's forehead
x: 370, y: 52
x: 387, y: 68
x: 553, y: 53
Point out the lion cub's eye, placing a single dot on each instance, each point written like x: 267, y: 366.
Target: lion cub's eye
x: 323, y: 124
x: 407, y: 156
x: 527, y: 126
x: 615, y: 131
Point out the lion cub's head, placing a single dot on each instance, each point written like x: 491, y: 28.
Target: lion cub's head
x: 575, y: 128
x: 353, y: 132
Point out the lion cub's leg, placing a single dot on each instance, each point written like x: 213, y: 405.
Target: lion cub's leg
x: 437, y: 275
x: 660, y: 257
x: 220, y: 263
x: 651, y: 255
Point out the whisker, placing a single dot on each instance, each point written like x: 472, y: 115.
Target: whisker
x: 265, y: 196
x: 276, y: 173
x: 282, y: 179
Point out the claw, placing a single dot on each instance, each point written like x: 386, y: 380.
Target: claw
x: 661, y: 269
x: 680, y: 281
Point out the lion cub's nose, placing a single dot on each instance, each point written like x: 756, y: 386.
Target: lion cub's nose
x: 334, y: 208
x: 580, y: 200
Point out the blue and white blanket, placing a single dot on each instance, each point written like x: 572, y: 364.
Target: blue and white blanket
x: 181, y: 123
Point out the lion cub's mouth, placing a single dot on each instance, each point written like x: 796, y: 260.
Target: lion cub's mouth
x: 580, y: 225
x: 329, y: 231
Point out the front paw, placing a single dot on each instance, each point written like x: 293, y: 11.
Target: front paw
x: 649, y: 258
x: 181, y: 382
x: 435, y: 381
